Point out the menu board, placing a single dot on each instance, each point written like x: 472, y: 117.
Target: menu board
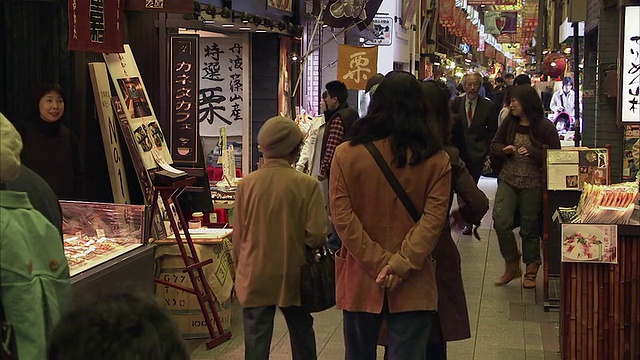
x: 569, y: 169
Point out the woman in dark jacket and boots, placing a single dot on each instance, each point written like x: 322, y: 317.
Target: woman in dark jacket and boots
x: 519, y: 144
x: 452, y: 321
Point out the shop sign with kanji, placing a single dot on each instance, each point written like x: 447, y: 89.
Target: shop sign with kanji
x: 184, y: 86
x: 382, y: 28
x: 629, y: 103
x: 356, y: 65
x: 96, y: 26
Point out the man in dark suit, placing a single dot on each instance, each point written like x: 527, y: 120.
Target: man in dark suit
x: 474, y: 126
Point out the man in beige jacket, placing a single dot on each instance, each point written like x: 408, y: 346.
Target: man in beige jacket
x: 278, y: 212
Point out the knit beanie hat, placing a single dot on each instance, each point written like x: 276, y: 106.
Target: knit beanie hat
x: 10, y: 148
x: 278, y: 137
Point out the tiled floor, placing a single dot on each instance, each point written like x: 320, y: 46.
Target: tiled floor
x: 507, y: 322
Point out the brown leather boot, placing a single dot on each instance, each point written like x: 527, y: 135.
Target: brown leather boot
x: 511, y: 271
x: 529, y: 281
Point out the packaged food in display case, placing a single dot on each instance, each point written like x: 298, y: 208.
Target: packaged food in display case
x: 95, y: 233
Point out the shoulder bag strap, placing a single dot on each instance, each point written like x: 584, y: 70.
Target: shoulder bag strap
x: 393, y: 181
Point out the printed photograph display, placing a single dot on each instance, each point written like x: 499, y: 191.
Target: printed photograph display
x: 138, y: 109
x: 571, y: 169
x: 135, y: 99
x: 589, y: 243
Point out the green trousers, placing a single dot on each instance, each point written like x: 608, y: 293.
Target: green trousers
x: 528, y: 203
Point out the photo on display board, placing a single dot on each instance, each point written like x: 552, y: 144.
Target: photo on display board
x: 156, y: 133
x: 134, y: 96
x: 142, y: 138
x: 572, y: 181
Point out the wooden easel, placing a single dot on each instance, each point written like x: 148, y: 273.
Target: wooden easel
x: 193, y: 266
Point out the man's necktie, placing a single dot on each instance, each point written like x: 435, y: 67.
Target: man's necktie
x: 470, y: 112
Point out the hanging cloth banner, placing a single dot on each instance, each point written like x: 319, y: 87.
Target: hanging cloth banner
x: 496, y: 22
x: 356, y: 65
x: 96, y: 26
x: 445, y: 13
x: 343, y: 13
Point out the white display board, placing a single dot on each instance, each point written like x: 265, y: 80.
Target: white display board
x: 224, y: 85
x: 142, y: 119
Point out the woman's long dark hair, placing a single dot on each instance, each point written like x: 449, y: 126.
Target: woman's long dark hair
x: 532, y: 108
x: 437, y: 95
x: 398, y: 111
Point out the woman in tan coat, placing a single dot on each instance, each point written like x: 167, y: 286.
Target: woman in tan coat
x: 278, y: 211
x: 384, y: 269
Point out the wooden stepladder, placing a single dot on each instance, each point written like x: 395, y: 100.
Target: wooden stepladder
x: 193, y: 266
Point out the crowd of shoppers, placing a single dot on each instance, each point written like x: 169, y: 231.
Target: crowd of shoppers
x: 388, y: 286
x: 389, y: 245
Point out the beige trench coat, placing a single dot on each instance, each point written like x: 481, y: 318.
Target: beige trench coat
x: 377, y: 230
x: 278, y: 211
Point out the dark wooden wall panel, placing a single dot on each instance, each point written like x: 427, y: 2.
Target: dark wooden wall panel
x: 265, y: 49
x: 593, y: 15
x: 33, y: 49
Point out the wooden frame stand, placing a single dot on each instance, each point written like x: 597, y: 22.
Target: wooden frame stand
x: 193, y: 266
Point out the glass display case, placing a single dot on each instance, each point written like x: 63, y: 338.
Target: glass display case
x: 96, y: 233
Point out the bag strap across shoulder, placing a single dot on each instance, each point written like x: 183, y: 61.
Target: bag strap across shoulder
x: 393, y: 181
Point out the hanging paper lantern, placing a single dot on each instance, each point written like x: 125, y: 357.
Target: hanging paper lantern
x: 554, y: 64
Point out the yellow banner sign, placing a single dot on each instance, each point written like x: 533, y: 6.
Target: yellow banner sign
x: 356, y: 65
x: 511, y: 47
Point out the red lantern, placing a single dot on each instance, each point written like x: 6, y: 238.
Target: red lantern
x: 554, y: 64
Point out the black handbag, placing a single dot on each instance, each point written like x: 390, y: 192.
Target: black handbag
x: 491, y: 167
x: 318, y: 281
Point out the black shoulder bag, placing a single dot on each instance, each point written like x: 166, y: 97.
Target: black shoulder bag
x: 393, y: 181
x: 318, y: 281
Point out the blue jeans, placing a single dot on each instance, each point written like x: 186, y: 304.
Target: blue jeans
x: 528, y: 203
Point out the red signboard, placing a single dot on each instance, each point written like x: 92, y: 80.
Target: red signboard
x: 96, y: 26
x: 184, y: 68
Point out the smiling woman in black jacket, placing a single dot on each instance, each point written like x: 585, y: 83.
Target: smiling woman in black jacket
x: 519, y: 145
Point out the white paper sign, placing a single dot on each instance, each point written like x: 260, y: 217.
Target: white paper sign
x: 630, y: 86
x: 382, y: 27
x: 223, y: 87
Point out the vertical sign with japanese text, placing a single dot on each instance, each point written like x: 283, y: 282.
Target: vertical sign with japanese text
x: 356, y: 65
x: 108, y: 127
x: 221, y: 93
x: 96, y: 25
x: 629, y: 106
x: 184, y: 78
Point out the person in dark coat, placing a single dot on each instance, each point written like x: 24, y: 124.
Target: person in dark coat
x: 51, y: 149
x: 519, y: 145
x: 452, y: 322
x: 474, y: 126
x: 40, y: 195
